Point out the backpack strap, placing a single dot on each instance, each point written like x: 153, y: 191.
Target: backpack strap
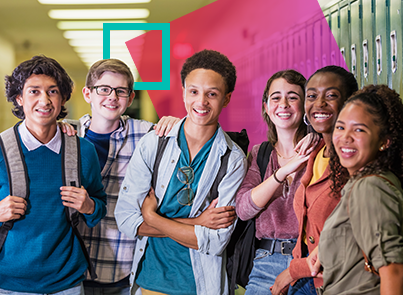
x: 10, y: 144
x: 263, y: 157
x: 162, y: 144
x: 245, y: 245
x: 71, y: 172
x: 220, y: 175
x: 71, y: 168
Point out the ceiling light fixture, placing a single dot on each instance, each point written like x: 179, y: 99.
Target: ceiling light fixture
x: 99, y: 13
x: 89, y: 25
x: 98, y: 34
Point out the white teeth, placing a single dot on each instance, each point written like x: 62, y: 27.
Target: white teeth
x: 344, y: 150
x: 201, y: 111
x: 321, y: 116
x: 43, y: 111
x: 284, y: 115
x: 111, y: 107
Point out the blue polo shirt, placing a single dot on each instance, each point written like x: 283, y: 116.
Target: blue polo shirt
x: 166, y: 266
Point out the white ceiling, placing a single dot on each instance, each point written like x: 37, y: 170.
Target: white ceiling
x: 27, y: 26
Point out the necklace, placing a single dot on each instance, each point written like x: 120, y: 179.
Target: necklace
x: 278, y: 154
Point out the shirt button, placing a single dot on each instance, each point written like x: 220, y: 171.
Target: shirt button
x: 141, y: 250
x: 173, y: 161
x: 132, y: 273
x: 311, y: 239
x: 162, y: 186
x: 124, y: 188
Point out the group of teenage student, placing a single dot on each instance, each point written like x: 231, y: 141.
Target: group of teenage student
x: 343, y: 198
x: 327, y: 202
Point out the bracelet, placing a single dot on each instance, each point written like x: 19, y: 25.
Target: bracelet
x: 275, y: 177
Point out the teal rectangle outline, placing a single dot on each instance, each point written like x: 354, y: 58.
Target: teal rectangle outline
x: 165, y: 83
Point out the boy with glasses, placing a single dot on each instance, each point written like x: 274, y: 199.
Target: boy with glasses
x: 109, y: 90
x: 178, y: 250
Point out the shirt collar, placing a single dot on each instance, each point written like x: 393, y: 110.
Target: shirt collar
x: 31, y: 143
x: 85, y: 122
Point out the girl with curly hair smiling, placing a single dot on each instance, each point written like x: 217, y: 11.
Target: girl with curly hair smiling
x: 365, y: 229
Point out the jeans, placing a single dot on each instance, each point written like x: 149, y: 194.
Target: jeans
x: 265, y: 269
x: 304, y: 286
x: 107, y: 291
x: 77, y: 290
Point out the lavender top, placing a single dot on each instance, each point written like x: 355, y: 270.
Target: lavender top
x: 276, y: 220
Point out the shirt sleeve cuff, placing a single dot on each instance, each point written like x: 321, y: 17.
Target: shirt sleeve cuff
x: 299, y: 269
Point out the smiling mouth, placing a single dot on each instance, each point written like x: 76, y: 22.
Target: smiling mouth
x: 284, y: 115
x: 44, y: 111
x: 321, y: 116
x: 201, y: 111
x: 111, y: 107
x: 348, y: 150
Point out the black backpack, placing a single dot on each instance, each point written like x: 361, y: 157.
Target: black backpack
x: 242, y: 246
x: 19, y: 184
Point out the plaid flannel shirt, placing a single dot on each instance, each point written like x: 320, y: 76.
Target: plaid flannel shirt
x: 110, y: 250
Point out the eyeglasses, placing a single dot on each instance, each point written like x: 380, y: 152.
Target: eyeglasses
x: 186, y: 195
x: 105, y: 90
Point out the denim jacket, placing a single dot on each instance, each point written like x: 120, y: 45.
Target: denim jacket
x: 208, y: 261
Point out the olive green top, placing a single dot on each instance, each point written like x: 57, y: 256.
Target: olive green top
x: 368, y: 217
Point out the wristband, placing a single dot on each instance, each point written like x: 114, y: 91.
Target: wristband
x: 275, y: 177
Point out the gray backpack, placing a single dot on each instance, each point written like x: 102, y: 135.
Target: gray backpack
x: 10, y: 145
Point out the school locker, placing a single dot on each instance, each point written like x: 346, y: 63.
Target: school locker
x: 356, y: 60
x: 395, y: 41
x: 381, y: 42
x: 344, y: 41
x: 368, y: 28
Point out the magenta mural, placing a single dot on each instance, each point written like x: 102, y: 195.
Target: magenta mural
x: 260, y: 37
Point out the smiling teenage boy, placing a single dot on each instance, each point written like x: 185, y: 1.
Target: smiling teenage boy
x: 175, y: 252
x: 108, y: 89
x: 41, y: 254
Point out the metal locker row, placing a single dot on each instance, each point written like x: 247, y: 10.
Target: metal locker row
x: 369, y: 35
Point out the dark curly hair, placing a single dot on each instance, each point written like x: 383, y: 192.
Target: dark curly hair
x: 211, y: 60
x: 292, y: 77
x: 38, y: 65
x: 348, y: 80
x: 386, y: 108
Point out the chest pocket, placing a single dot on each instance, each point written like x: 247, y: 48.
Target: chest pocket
x: 334, y: 241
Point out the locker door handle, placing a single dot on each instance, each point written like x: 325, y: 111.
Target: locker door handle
x: 393, y: 50
x: 378, y: 43
x: 343, y: 53
x: 353, y: 60
x: 365, y: 53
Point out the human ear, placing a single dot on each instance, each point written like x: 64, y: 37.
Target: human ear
x: 266, y: 108
x: 385, y: 145
x: 87, y: 94
x: 131, y: 97
x: 227, y: 99
x: 19, y: 100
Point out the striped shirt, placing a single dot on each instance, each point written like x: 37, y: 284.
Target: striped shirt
x: 110, y: 250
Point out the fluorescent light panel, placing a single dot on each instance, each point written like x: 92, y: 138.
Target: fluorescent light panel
x: 94, y: 49
x: 97, y: 34
x: 86, y: 25
x: 71, y: 2
x: 99, y: 13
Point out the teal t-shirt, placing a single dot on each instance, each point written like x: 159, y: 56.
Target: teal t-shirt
x: 166, y: 266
